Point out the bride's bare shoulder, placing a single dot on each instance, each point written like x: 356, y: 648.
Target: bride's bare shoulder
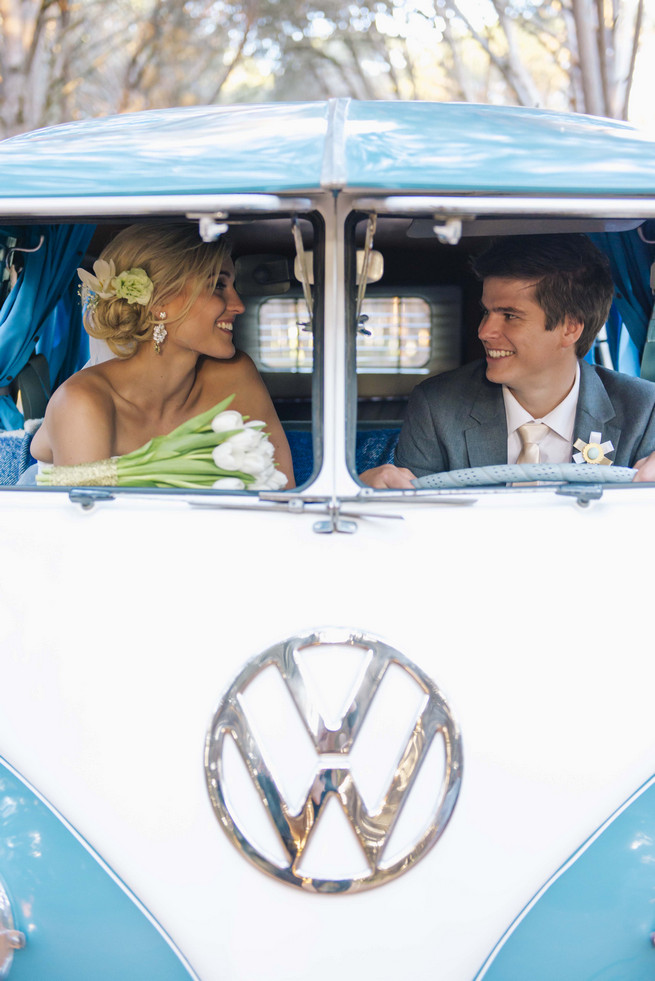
x: 86, y: 388
x: 79, y: 421
x: 241, y: 367
x: 238, y: 376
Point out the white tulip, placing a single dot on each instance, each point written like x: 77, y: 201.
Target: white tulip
x: 246, y: 440
x: 278, y: 480
x: 224, y: 457
x: 270, y: 480
x: 249, y: 451
x: 255, y: 463
x: 226, y: 421
x: 228, y: 484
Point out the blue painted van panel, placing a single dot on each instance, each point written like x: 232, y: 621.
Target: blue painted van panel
x: 594, y: 920
x: 453, y: 147
x: 196, y: 150
x: 343, y: 143
x: 80, y: 922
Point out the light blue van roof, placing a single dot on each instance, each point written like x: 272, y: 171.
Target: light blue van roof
x: 299, y: 147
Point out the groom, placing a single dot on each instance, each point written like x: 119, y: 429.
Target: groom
x: 544, y: 300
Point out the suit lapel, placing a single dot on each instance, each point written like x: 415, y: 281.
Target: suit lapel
x: 595, y: 412
x: 486, y: 434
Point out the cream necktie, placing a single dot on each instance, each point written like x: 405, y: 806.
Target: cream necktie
x: 531, y: 433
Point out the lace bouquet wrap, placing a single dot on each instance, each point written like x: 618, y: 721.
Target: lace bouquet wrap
x: 218, y: 449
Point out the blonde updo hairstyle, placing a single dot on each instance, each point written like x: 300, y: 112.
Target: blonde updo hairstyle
x: 176, y: 260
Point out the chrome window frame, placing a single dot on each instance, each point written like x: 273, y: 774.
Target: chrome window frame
x: 449, y: 210
x: 212, y: 207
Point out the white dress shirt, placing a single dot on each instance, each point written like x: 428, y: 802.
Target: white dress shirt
x: 557, y: 444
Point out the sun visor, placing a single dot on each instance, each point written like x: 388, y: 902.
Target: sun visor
x: 375, y: 266
x: 479, y: 227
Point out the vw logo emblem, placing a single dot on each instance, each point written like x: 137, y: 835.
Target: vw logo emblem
x: 331, y: 747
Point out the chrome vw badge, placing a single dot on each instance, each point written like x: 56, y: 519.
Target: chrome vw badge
x: 256, y: 731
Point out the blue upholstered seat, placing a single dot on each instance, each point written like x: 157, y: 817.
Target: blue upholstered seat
x: 15, y: 455
x: 373, y: 448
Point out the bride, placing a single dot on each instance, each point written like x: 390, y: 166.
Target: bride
x: 165, y: 303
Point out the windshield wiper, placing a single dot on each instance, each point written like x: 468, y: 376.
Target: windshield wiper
x: 337, y: 513
x: 583, y: 493
x: 88, y: 496
x: 296, y: 504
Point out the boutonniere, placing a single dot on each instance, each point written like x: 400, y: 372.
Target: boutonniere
x: 594, y: 451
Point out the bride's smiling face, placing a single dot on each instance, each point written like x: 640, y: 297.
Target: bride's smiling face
x: 209, y: 322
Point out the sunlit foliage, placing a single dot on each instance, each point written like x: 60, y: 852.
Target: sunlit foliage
x: 70, y: 59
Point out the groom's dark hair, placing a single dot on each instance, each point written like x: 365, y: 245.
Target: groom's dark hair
x: 572, y: 277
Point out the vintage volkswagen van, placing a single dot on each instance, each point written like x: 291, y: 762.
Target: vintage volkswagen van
x: 328, y: 732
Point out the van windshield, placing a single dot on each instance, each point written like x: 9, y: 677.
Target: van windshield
x: 502, y: 353
x: 69, y: 336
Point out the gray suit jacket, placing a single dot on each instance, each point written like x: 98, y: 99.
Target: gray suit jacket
x: 457, y: 419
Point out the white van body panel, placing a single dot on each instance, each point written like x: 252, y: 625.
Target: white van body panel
x: 123, y: 656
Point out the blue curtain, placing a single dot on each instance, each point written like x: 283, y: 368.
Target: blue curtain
x: 32, y: 315
x: 630, y: 260
x: 63, y: 340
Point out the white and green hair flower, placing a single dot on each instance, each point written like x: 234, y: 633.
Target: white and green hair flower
x: 133, y: 285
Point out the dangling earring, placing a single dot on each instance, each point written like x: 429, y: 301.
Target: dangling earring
x: 160, y: 333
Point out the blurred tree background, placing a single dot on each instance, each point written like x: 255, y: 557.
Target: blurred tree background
x: 70, y: 59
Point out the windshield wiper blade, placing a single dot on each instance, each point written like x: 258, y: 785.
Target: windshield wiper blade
x: 295, y: 504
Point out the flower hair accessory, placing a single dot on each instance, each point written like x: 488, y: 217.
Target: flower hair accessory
x: 133, y: 285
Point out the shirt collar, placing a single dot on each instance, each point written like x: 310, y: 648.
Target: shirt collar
x: 561, y: 419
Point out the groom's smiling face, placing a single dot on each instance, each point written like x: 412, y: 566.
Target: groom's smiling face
x: 520, y: 352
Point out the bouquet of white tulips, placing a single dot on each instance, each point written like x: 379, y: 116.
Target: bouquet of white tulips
x: 218, y: 448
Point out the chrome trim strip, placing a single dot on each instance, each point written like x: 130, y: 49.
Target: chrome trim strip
x: 153, y: 204
x: 327, y: 406
x: 474, y: 205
